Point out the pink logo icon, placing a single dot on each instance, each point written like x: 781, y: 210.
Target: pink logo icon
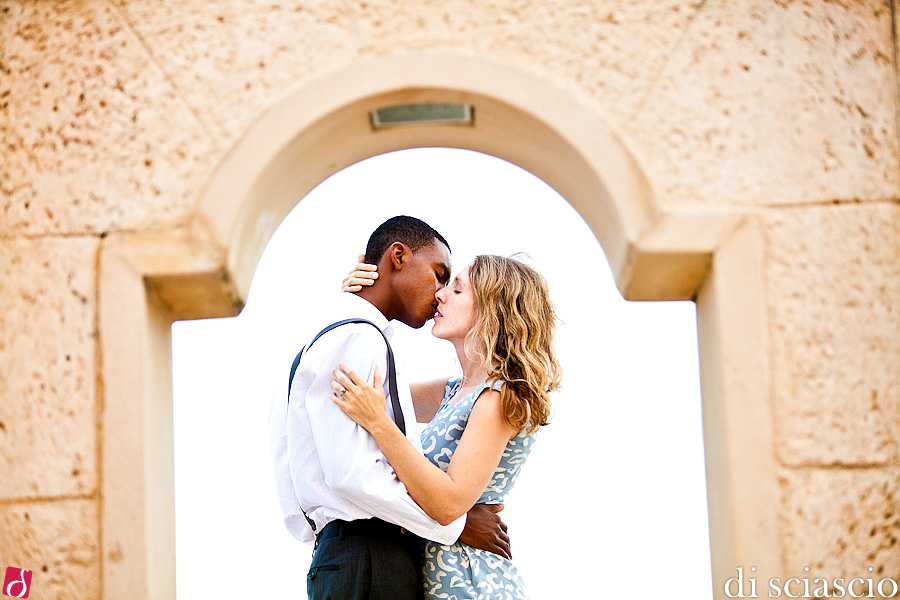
x: 17, y: 582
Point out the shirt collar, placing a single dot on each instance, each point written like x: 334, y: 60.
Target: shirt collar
x: 361, y: 307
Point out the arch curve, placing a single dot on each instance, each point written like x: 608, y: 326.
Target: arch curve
x: 323, y: 126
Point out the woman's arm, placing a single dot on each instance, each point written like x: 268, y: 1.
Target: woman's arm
x: 426, y: 397
x: 444, y: 496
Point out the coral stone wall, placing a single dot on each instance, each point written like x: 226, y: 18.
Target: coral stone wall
x: 114, y: 114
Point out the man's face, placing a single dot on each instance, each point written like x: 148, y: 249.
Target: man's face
x: 424, y: 272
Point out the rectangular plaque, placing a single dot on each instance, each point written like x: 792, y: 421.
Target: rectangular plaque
x: 422, y: 114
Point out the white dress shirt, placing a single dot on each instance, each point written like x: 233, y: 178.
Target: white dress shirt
x: 324, y: 461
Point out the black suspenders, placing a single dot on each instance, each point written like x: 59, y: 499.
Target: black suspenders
x: 392, y: 380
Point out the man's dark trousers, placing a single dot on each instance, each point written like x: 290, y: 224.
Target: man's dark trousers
x: 368, y: 559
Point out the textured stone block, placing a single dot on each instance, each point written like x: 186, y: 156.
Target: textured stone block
x: 896, y: 8
x: 232, y: 59
x: 840, y: 522
x: 48, y: 430
x: 775, y: 102
x: 833, y: 278
x: 609, y: 51
x: 92, y: 134
x: 59, y: 542
x: 386, y: 27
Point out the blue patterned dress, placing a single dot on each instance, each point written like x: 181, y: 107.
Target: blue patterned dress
x: 461, y: 572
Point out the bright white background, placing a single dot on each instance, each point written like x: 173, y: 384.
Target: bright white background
x: 612, y: 502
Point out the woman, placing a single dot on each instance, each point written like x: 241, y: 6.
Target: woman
x: 498, y: 315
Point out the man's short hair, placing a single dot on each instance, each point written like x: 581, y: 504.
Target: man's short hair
x: 411, y: 231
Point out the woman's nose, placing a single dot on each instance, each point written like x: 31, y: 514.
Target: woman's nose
x: 440, y: 295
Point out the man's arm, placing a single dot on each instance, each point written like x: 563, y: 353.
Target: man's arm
x: 353, y: 465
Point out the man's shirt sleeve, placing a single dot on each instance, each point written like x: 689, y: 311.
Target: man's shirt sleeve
x: 352, y: 463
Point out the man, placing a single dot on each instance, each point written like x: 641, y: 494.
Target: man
x: 331, y: 475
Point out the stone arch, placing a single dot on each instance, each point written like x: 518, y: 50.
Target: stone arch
x: 204, y: 270
x: 324, y: 126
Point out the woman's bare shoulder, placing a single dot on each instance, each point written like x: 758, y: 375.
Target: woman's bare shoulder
x: 488, y: 411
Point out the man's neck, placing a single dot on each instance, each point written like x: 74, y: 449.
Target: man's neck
x: 379, y: 300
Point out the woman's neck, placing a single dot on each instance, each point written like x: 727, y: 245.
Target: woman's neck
x: 473, y: 371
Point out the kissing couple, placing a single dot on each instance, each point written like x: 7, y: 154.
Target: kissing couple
x: 395, y: 514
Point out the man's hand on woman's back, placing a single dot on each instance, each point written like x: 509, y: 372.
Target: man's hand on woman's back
x: 485, y: 530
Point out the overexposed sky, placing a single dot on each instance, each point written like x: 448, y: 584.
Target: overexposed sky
x: 612, y: 501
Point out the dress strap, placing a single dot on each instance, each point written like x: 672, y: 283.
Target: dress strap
x: 450, y: 389
x: 476, y: 393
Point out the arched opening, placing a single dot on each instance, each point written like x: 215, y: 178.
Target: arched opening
x: 326, y: 126
x: 626, y: 438
x: 204, y: 271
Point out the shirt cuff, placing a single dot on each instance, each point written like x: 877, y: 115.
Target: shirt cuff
x: 454, y: 530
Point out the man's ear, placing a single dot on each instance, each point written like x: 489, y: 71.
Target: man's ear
x: 399, y: 253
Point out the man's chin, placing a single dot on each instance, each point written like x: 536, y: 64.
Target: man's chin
x: 415, y: 324
x: 422, y: 324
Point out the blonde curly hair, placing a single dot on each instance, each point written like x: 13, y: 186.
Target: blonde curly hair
x: 513, y: 337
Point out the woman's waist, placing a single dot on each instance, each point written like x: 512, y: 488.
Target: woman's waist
x: 492, y: 496
x: 457, y: 551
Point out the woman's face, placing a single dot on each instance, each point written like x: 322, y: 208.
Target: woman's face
x: 456, y: 309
